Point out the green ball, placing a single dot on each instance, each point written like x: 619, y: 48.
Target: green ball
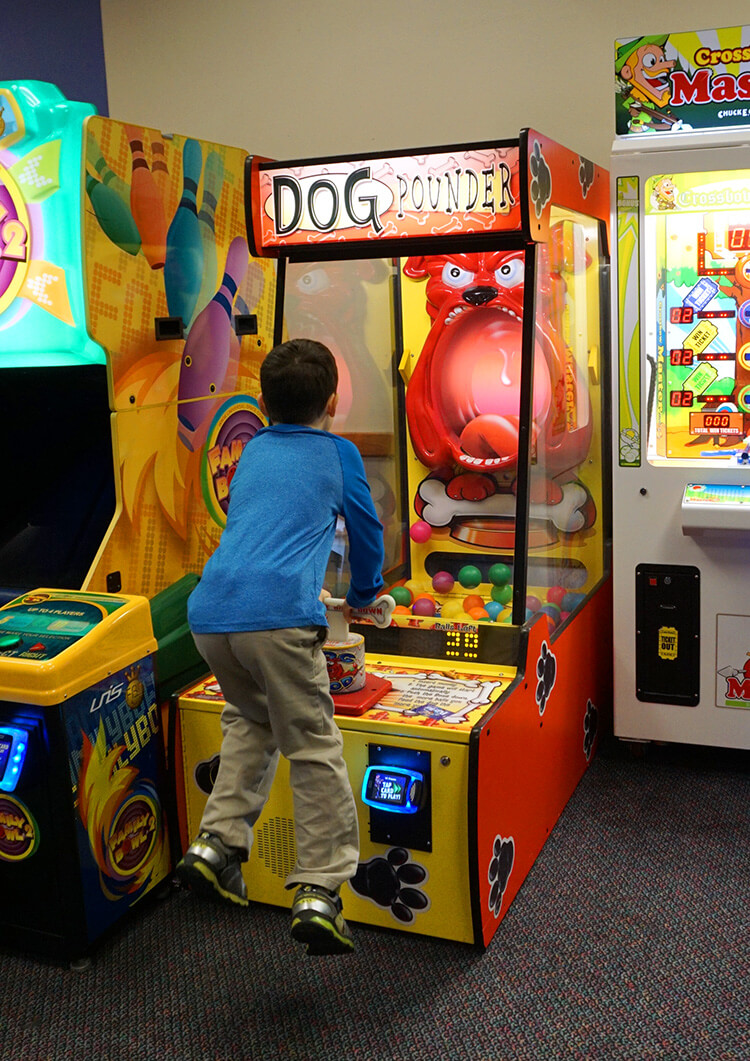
x: 469, y: 576
x: 401, y: 595
x: 502, y: 594
x: 499, y: 574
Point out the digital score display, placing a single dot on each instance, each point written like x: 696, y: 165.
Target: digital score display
x: 717, y: 423
x: 681, y: 399
x: 681, y: 315
x: 681, y: 357
x: 738, y: 238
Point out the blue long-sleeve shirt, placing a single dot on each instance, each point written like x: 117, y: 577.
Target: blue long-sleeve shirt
x: 291, y: 484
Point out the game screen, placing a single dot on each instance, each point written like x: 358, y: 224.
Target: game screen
x: 429, y: 354
x: 697, y: 279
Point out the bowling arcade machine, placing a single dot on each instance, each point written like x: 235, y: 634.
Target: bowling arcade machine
x: 132, y: 325
x: 462, y: 291
x: 681, y: 297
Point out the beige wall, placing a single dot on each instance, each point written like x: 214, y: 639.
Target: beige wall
x: 299, y: 78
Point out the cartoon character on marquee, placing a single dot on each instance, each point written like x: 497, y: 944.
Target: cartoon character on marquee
x: 463, y: 398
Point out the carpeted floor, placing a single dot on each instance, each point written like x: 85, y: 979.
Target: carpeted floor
x: 629, y: 939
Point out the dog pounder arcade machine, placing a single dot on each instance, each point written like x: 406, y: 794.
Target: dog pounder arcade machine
x: 462, y: 292
x: 681, y: 295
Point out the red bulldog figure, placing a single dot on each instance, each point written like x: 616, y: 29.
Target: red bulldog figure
x: 462, y: 401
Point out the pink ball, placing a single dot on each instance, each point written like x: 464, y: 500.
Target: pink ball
x: 420, y: 531
x: 533, y: 603
x: 423, y: 606
x: 442, y: 582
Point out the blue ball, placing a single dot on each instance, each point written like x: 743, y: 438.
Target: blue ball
x: 493, y: 609
x: 571, y: 601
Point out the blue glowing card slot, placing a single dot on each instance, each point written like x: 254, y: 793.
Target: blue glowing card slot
x: 393, y: 788
x: 14, y: 743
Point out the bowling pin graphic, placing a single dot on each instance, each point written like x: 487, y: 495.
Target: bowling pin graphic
x: 159, y: 166
x: 113, y: 215
x: 183, y: 266
x: 213, y: 178
x: 146, y: 203
x: 207, y: 350
x: 96, y: 160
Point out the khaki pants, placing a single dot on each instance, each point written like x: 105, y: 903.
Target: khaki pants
x: 278, y: 699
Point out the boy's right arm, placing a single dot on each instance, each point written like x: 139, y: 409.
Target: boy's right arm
x: 365, y: 532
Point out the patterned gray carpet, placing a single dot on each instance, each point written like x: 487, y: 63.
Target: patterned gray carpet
x: 629, y: 939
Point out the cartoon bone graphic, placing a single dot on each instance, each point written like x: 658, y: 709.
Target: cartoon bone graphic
x: 440, y: 509
x: 379, y: 612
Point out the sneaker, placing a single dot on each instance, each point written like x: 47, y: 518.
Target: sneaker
x: 317, y: 920
x: 213, y: 870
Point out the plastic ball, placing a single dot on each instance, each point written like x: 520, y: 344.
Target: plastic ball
x: 533, y: 604
x: 401, y: 609
x: 443, y: 582
x: 401, y: 595
x: 552, y: 611
x: 502, y: 594
x: 420, y: 531
x: 414, y: 586
x: 478, y: 613
x: 423, y: 606
x: 451, y: 609
x: 473, y: 601
x: 493, y: 609
x: 424, y: 595
x: 499, y: 574
x: 555, y: 595
x: 571, y: 601
x: 469, y: 576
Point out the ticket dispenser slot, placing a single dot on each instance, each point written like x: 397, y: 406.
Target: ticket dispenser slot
x: 667, y: 619
x: 396, y: 790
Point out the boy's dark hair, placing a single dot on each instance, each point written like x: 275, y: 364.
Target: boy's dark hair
x: 296, y: 380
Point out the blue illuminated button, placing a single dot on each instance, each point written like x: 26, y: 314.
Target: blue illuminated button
x: 393, y: 788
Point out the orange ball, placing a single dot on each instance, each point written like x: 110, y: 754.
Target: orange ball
x: 401, y: 609
x: 425, y: 596
x: 478, y: 613
x: 473, y: 601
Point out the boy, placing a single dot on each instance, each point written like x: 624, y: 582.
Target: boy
x: 258, y: 620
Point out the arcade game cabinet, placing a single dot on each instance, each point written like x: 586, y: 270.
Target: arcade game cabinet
x: 131, y: 321
x: 681, y: 297
x: 463, y: 293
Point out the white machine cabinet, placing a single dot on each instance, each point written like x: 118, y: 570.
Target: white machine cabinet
x: 681, y: 390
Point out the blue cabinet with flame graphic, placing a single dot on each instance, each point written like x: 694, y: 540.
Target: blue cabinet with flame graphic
x: 82, y: 827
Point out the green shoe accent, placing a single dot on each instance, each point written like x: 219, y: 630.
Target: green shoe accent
x: 213, y: 870
x: 317, y: 921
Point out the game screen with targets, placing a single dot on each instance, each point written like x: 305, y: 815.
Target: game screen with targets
x: 429, y: 350
x: 697, y: 283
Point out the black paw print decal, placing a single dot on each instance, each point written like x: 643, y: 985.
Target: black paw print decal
x: 503, y: 854
x: 393, y: 883
x: 541, y: 179
x: 585, y: 174
x: 590, y: 724
x: 546, y: 672
x: 205, y: 774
